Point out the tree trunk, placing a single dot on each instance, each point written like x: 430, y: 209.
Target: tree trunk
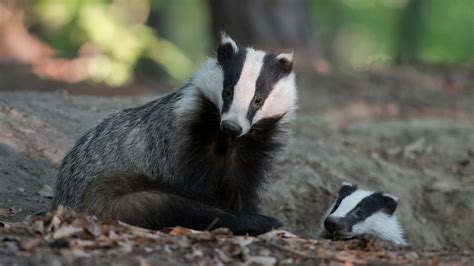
x: 410, y: 25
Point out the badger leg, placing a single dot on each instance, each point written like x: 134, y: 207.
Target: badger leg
x: 156, y: 209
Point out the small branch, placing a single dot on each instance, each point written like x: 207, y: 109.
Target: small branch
x: 214, y: 222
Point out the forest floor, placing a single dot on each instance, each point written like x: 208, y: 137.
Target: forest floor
x: 66, y: 238
x: 406, y: 131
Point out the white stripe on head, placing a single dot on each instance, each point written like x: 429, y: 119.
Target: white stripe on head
x: 282, y: 99
x: 383, y: 226
x: 349, y: 202
x: 244, y: 90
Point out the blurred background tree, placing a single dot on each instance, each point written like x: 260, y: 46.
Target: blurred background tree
x: 270, y: 25
x: 113, y: 40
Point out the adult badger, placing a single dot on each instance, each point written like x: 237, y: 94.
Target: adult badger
x: 196, y: 157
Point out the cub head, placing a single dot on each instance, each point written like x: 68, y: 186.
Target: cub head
x: 253, y: 85
x: 357, y: 212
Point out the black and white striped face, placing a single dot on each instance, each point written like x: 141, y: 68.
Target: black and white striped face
x: 256, y: 85
x: 357, y: 212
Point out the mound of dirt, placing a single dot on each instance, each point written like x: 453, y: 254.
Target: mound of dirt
x: 406, y: 132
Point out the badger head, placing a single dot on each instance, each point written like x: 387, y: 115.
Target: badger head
x: 358, y: 212
x: 248, y: 86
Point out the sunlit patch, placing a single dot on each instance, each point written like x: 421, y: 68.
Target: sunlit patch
x: 360, y: 48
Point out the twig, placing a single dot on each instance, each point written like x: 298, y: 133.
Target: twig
x: 214, y: 222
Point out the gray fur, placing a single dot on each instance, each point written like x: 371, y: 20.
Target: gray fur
x: 117, y: 147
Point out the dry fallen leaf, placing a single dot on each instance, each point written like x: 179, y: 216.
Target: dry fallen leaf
x: 82, y: 244
x: 38, y: 226
x: 348, y: 258
x: 32, y: 244
x: 93, y: 228
x: 66, y: 231
x: 179, y: 231
x: 72, y: 235
x: 54, y: 224
x: 103, y: 241
x: 284, y: 234
x: 262, y: 260
x: 223, y: 256
x: 80, y: 253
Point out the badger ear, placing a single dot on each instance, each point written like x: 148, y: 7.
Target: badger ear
x: 390, y: 203
x: 226, y: 49
x: 347, y: 188
x: 345, y: 183
x: 286, y: 61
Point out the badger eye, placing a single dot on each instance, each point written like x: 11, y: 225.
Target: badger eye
x: 258, y: 100
x: 359, y: 213
x: 227, y: 93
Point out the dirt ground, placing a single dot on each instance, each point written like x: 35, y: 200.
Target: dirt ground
x: 406, y: 131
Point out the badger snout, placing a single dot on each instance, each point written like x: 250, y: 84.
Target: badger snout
x: 231, y: 128
x: 334, y: 224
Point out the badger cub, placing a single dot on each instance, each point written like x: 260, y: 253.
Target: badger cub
x: 197, y: 157
x: 358, y: 212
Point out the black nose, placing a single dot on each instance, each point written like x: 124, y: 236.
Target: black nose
x: 231, y: 128
x: 331, y: 225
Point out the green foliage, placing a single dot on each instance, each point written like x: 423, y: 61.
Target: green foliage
x: 187, y: 26
x: 118, y: 31
x: 356, y: 33
x: 365, y: 33
x: 448, y: 34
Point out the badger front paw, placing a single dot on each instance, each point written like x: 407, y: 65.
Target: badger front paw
x: 256, y: 224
